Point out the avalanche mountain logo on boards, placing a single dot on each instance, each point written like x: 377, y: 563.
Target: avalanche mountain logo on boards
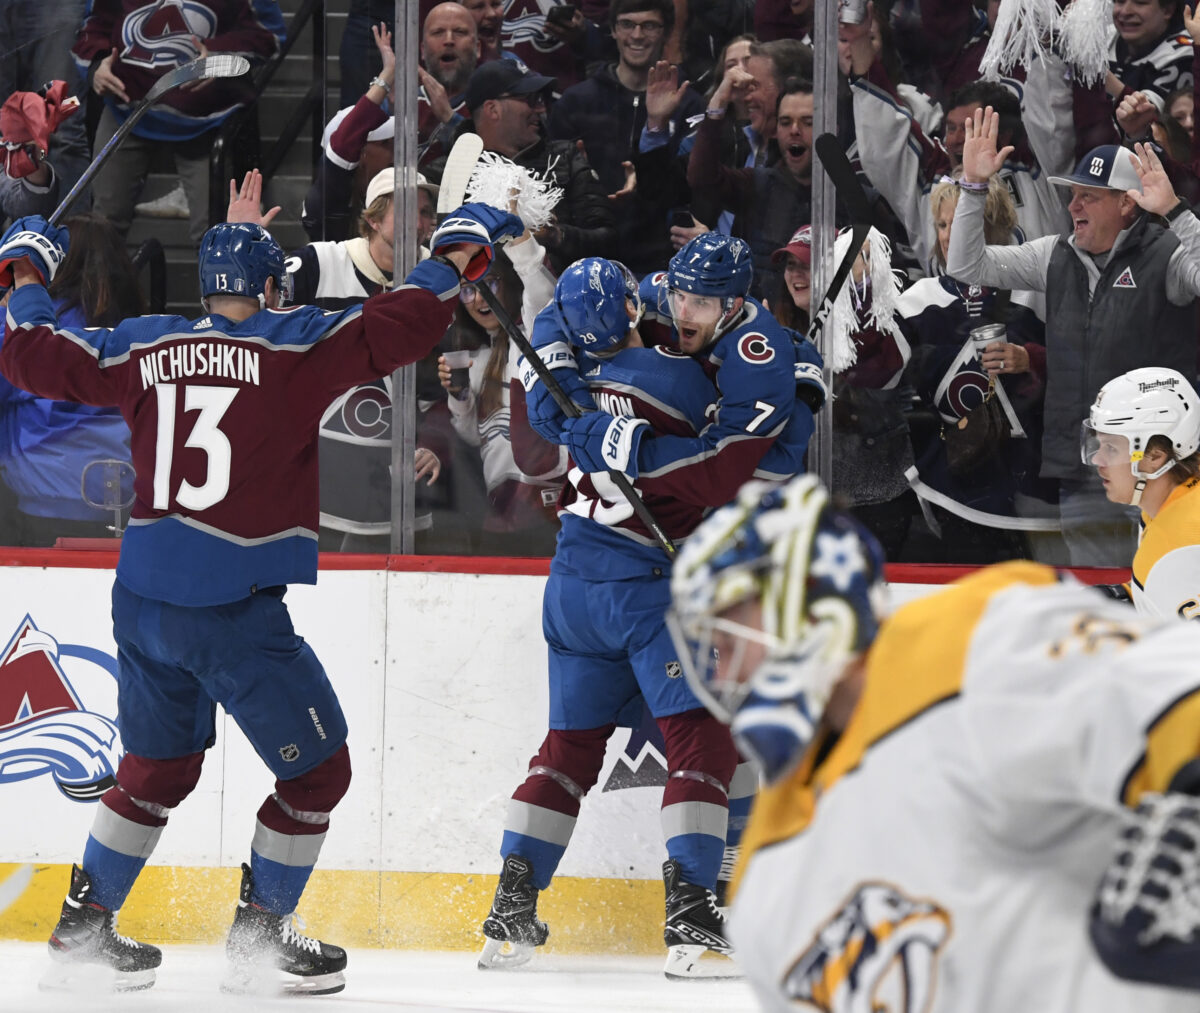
x: 45, y: 727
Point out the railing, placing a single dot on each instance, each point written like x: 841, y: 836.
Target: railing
x: 238, y: 138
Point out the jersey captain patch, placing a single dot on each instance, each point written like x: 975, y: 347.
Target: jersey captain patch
x: 880, y: 934
x: 755, y: 348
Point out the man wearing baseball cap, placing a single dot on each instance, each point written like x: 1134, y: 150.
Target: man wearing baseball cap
x: 507, y: 103
x: 1120, y: 293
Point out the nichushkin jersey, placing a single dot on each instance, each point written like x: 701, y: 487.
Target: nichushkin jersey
x: 942, y: 854
x: 224, y: 418
x: 1166, y: 566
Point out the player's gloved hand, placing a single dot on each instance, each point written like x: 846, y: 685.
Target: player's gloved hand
x: 545, y: 415
x: 476, y: 225
x: 599, y: 442
x: 34, y: 239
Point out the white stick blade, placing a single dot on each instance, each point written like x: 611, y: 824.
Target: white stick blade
x: 460, y: 164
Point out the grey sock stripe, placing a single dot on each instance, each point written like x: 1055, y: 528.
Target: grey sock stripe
x: 297, y: 850
x: 122, y: 835
x: 694, y: 818
x: 744, y: 782
x: 537, y: 821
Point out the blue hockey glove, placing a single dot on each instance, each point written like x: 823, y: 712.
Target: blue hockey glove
x: 599, y: 442
x: 545, y: 416
x: 476, y: 225
x: 34, y: 239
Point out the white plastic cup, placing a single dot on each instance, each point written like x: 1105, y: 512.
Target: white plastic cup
x: 459, y: 362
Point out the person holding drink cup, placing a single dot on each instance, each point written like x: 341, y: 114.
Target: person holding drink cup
x: 476, y: 372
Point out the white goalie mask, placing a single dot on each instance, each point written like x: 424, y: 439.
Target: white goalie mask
x: 771, y: 597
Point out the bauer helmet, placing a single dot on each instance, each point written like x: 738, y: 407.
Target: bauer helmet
x: 816, y: 575
x: 237, y: 258
x: 1153, y: 401
x: 590, y: 304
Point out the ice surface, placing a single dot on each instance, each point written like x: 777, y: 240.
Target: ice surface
x: 392, y: 979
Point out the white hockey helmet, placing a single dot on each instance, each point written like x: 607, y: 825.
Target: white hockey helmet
x: 1152, y: 401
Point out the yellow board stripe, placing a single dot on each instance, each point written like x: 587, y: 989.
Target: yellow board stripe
x: 399, y: 910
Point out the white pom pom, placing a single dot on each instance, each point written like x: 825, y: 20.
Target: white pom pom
x: 850, y: 311
x: 496, y: 181
x: 1086, y: 33
x: 1022, y: 31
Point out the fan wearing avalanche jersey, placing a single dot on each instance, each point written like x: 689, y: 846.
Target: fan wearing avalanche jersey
x: 608, y: 646
x: 223, y: 413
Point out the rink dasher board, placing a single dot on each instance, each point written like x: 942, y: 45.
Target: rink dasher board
x: 442, y: 676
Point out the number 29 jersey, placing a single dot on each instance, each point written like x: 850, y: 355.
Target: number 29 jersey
x: 223, y: 419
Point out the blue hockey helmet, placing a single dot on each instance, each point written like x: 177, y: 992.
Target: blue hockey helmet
x: 713, y: 264
x: 237, y: 258
x: 589, y: 304
x: 771, y: 596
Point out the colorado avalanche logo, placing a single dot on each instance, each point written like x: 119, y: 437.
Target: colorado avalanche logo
x: 44, y: 726
x: 159, y: 35
x: 755, y: 348
x: 879, y: 935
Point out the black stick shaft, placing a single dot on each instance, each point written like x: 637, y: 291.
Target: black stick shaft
x: 572, y: 410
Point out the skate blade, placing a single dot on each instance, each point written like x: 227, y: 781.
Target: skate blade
x: 67, y: 976
x: 698, y: 963
x: 270, y: 983
x: 494, y: 956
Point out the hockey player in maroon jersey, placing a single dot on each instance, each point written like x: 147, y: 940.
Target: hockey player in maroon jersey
x: 224, y: 413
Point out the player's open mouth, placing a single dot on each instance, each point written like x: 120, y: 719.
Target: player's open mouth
x: 688, y: 333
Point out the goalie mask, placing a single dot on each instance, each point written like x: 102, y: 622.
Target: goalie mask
x: 1134, y: 407
x: 237, y: 258
x: 771, y: 597
x: 590, y: 304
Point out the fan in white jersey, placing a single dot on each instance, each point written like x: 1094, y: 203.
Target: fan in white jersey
x: 946, y: 785
x: 1142, y: 436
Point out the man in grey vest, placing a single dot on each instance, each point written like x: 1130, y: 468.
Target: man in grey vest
x: 1120, y: 294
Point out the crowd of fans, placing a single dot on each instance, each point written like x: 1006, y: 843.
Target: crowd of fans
x: 659, y: 120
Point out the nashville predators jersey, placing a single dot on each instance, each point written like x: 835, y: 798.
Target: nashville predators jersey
x: 941, y: 854
x: 1166, y: 567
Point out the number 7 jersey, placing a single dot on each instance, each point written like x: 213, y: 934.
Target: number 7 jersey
x: 224, y: 419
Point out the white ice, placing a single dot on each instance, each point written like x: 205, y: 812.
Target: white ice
x: 392, y: 979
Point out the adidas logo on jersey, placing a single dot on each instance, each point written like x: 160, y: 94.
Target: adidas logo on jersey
x: 203, y: 324
x: 1125, y: 280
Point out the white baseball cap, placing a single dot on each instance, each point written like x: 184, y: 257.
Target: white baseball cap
x: 384, y: 184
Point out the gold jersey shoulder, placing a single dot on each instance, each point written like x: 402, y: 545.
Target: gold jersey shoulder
x: 916, y: 663
x: 1177, y: 524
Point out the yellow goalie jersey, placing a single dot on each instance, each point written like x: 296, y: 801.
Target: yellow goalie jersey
x: 1166, y: 567
x: 942, y: 854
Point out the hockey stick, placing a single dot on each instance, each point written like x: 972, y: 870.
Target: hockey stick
x: 573, y: 411
x: 202, y: 68
x: 460, y: 164
x: 845, y: 183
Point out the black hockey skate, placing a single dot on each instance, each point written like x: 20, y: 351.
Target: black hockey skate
x: 513, y: 920
x: 695, y: 925
x: 267, y: 955
x: 86, y: 951
x: 725, y: 876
